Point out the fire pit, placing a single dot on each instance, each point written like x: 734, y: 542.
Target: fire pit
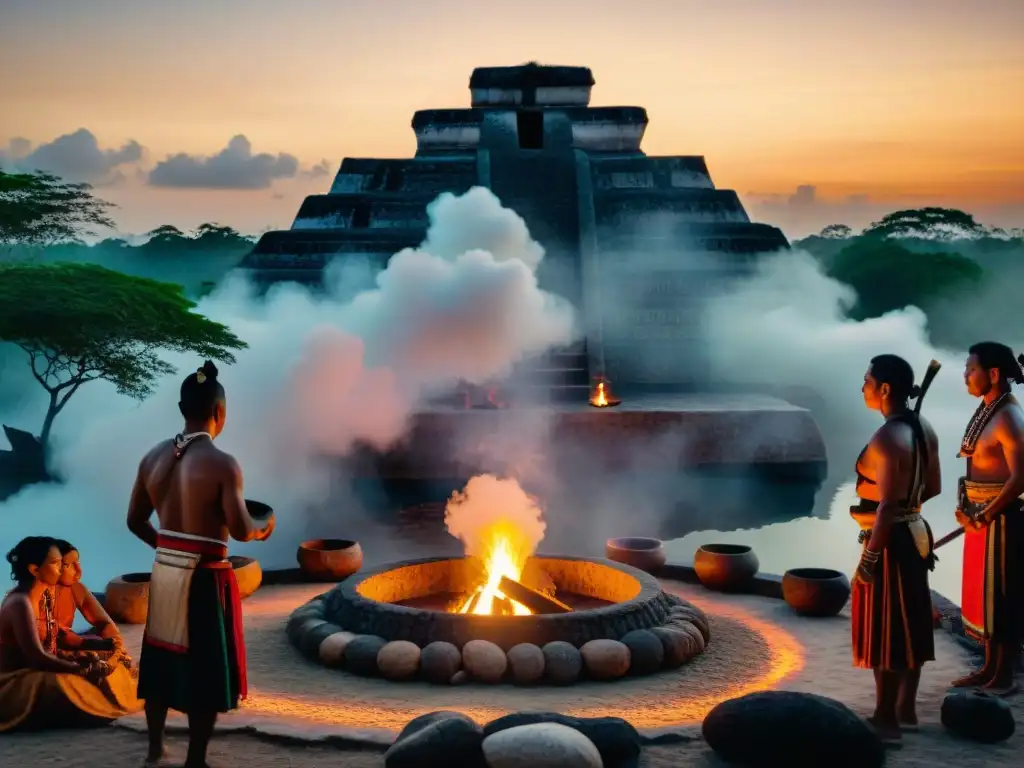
x: 605, y: 615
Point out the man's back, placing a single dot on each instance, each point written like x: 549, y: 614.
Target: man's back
x: 188, y: 492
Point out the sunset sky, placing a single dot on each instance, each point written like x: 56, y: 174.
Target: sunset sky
x: 864, y: 106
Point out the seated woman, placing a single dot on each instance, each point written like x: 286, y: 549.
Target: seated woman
x: 38, y: 689
x: 104, y: 642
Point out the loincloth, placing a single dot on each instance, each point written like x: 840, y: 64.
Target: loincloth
x: 193, y: 648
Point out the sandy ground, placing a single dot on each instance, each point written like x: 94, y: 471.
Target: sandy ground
x: 757, y: 644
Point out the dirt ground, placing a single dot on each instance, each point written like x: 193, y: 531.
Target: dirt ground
x: 294, y: 704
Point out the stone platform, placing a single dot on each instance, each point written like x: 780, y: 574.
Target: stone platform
x: 647, y: 433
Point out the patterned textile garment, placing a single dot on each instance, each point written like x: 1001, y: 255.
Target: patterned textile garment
x: 992, y: 597
x: 892, y: 616
x: 193, y: 650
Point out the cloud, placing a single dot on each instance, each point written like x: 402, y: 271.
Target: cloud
x: 318, y: 171
x: 803, y: 212
x: 73, y: 156
x: 234, y: 167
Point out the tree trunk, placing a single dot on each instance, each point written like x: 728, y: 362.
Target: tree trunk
x: 51, y: 413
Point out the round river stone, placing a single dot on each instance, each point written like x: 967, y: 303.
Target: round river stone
x: 309, y: 643
x: 436, y: 738
x: 692, y: 630
x: 695, y: 616
x: 979, y: 716
x: 646, y: 653
x: 678, y: 646
x: 562, y: 662
x: 360, y: 655
x: 605, y: 659
x: 332, y: 649
x: 541, y: 745
x: 778, y: 728
x: 399, y: 660
x: 527, y: 662
x: 484, y: 660
x: 439, y: 661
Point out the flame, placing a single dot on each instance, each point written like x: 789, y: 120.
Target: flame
x: 599, y: 399
x: 505, y: 551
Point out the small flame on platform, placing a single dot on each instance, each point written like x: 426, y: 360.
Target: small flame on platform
x: 602, y: 397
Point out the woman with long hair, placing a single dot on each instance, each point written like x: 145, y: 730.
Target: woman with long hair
x: 38, y: 689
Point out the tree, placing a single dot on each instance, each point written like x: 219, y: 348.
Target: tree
x: 887, y: 276
x: 39, y: 210
x: 81, y: 322
x: 942, y: 224
x: 836, y: 232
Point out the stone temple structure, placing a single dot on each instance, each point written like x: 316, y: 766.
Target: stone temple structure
x: 634, y: 241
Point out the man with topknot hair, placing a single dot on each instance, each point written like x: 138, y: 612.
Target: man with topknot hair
x: 193, y: 651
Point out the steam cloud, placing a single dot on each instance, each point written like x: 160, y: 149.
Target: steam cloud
x: 321, y: 373
x: 488, y: 501
x: 324, y: 372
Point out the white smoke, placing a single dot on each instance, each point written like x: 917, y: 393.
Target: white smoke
x: 321, y: 372
x: 786, y: 325
x: 488, y: 501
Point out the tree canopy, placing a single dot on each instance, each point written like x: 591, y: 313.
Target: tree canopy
x: 928, y: 224
x: 39, y: 209
x: 81, y: 322
x: 888, y: 276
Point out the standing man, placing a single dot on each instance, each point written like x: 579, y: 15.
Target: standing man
x: 193, y: 651
x: 992, y: 513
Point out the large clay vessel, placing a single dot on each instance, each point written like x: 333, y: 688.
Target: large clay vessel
x: 329, y: 559
x: 637, y: 551
x: 127, y: 598
x: 248, y: 574
x: 725, y: 567
x: 815, y: 591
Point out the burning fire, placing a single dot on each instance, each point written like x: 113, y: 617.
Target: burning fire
x: 602, y: 397
x: 505, y: 549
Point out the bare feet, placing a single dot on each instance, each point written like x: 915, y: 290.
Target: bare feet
x: 981, y: 677
x: 908, y: 720
x: 889, y: 732
x: 1000, y: 687
x: 154, y: 759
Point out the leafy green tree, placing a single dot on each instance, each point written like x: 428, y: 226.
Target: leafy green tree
x: 81, y: 322
x: 39, y: 210
x: 888, y: 276
x: 836, y: 232
x: 941, y: 224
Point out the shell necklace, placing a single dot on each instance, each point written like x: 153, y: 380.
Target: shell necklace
x: 982, y: 416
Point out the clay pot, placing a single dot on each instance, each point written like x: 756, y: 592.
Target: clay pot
x: 329, y: 559
x: 127, y: 598
x: 259, y: 511
x: 639, y: 552
x: 815, y: 591
x: 725, y: 567
x: 248, y: 574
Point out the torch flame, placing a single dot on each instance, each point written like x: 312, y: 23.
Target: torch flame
x: 505, y: 552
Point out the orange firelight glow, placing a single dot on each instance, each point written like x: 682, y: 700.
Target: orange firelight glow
x: 506, y: 550
x: 668, y: 699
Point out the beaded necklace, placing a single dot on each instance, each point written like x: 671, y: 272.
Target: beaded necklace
x: 982, y: 416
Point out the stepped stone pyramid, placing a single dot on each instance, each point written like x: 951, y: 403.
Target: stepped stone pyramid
x: 636, y: 242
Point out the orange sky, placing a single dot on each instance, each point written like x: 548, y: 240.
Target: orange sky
x: 914, y: 104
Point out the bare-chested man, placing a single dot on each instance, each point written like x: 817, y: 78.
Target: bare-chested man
x: 193, y: 653
x: 991, y: 511
x: 897, y: 471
